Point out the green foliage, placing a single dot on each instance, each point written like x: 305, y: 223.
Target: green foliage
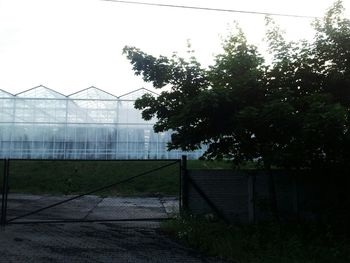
x: 264, y: 243
x: 291, y: 113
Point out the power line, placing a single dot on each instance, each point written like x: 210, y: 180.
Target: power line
x: 211, y: 9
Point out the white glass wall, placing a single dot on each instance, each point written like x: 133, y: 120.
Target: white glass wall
x: 41, y: 123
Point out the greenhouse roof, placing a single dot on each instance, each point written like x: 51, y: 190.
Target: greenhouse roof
x: 5, y: 94
x: 91, y: 93
x: 136, y: 94
x: 40, y: 92
x: 91, y: 105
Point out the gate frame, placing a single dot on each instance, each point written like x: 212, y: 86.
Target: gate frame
x: 5, y: 189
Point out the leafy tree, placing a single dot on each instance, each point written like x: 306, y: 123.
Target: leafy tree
x: 293, y: 112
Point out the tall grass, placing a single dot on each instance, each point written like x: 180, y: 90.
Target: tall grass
x: 267, y: 242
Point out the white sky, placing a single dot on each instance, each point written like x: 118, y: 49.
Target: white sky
x: 69, y: 45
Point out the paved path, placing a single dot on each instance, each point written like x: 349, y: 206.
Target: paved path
x: 91, y: 207
x: 124, y: 242
x: 93, y: 242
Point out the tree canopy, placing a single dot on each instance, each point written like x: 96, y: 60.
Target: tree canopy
x: 292, y: 112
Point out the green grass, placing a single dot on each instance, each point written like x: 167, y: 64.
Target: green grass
x: 264, y: 242
x: 76, y: 177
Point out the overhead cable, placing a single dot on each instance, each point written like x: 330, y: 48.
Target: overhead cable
x: 211, y: 9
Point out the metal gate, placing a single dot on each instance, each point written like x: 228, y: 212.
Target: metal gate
x: 55, y: 191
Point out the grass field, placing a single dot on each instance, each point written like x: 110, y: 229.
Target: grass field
x: 75, y: 177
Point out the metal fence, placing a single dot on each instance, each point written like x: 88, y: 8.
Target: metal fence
x: 52, y: 191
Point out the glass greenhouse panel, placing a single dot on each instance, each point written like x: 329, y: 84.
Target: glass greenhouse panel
x: 41, y: 123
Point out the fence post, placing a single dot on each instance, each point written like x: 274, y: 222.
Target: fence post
x: 251, y: 198
x: 4, y: 193
x: 184, y: 184
x: 296, y: 194
x: 180, y: 185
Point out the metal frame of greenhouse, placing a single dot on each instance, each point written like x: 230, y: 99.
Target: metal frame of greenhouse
x: 41, y: 123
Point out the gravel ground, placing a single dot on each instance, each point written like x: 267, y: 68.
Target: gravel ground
x: 136, y: 242
x: 93, y: 242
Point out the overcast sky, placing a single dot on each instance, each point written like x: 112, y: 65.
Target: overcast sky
x: 69, y: 45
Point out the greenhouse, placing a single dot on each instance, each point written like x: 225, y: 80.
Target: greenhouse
x: 41, y: 123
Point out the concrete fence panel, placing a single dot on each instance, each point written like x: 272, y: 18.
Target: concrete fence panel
x: 245, y: 196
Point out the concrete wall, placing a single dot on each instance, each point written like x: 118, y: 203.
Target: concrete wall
x: 243, y: 196
x: 228, y: 192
